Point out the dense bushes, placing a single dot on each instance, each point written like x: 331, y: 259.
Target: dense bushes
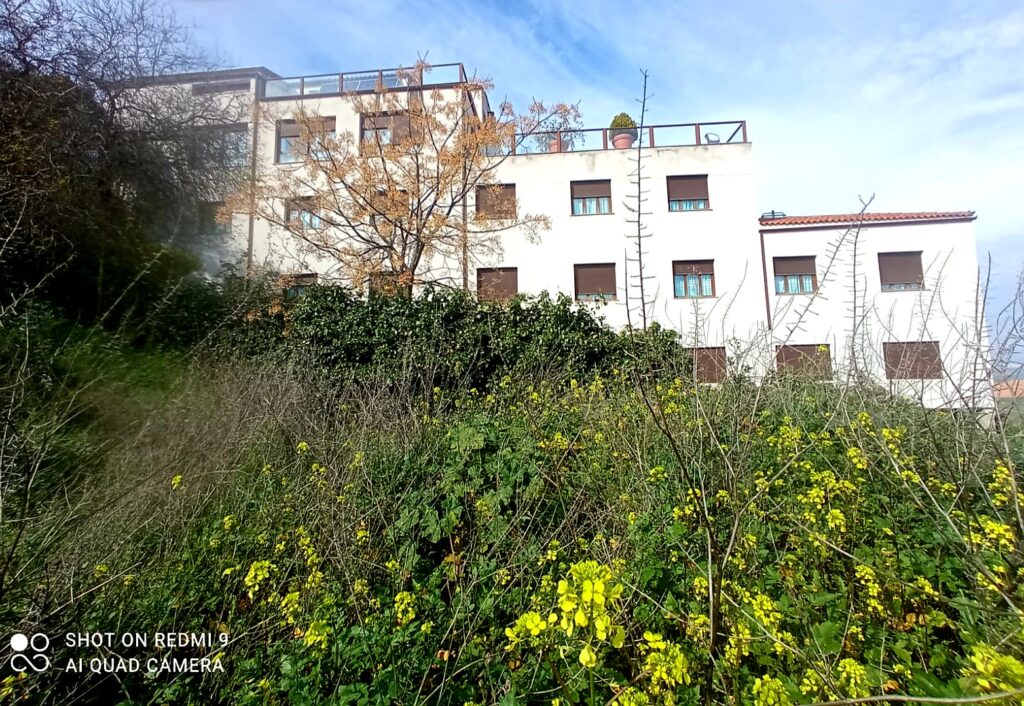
x: 451, y: 339
x: 541, y: 541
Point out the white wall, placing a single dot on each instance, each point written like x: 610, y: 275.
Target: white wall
x: 726, y: 233
x: 855, y: 317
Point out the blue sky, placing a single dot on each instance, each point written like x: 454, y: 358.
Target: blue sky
x: 920, y: 102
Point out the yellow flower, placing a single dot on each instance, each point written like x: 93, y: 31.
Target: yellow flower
x: 316, y: 635
x: 769, y: 691
x: 259, y: 571
x: 176, y: 481
x: 228, y: 523
x: 302, y: 447
x: 405, y: 608
x: 587, y: 657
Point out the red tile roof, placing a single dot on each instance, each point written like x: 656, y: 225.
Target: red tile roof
x: 1009, y: 388
x: 847, y: 218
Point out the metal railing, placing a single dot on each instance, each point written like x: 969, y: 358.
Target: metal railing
x: 397, y: 79
x: 728, y: 132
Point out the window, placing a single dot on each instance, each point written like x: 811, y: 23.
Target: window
x: 594, y: 282
x: 900, y: 271
x: 496, y: 201
x: 223, y: 145
x: 199, y: 89
x: 497, y: 284
x: 709, y: 364
x: 912, y: 361
x: 388, y: 209
x: 795, y: 275
x: 289, y: 143
x: 302, y: 213
x: 591, y: 198
x: 688, y: 193
x: 296, y: 285
x: 812, y: 360
x: 384, y: 128
x: 318, y: 145
x: 207, y: 217
x: 693, y: 279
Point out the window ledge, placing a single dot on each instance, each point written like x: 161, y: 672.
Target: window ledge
x: 690, y: 299
x: 693, y: 210
x: 579, y: 215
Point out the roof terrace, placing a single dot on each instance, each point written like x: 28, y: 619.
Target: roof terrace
x: 451, y: 75
x: 727, y: 132
x: 398, y: 79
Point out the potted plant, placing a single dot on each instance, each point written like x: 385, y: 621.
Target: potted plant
x: 622, y: 131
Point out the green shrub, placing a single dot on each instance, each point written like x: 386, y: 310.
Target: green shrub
x: 451, y: 340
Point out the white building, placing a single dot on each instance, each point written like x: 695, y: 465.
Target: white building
x: 889, y: 296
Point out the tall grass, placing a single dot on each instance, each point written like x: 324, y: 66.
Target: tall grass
x: 365, y: 539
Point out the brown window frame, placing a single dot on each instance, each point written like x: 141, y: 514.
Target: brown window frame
x: 296, y: 207
x: 594, y: 296
x: 919, y: 368
x: 678, y: 265
x: 509, y: 274
x: 681, y: 190
x: 800, y: 273
x: 799, y: 359
x: 296, y: 285
x: 280, y: 127
x: 364, y: 118
x: 914, y: 283
x: 491, y: 201
x: 713, y: 357
x: 226, y: 146
x: 294, y: 128
x: 201, y: 89
x: 584, y: 189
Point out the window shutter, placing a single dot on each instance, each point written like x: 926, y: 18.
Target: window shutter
x: 199, y: 89
x: 496, y: 200
x: 794, y: 265
x: 919, y: 360
x: 684, y: 188
x: 591, y: 189
x: 693, y: 267
x: 400, y: 129
x: 497, y: 283
x: 813, y: 360
x: 373, y: 122
x: 288, y: 128
x: 709, y: 364
x: 595, y: 279
x: 900, y: 268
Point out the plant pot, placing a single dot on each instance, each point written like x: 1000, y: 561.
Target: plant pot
x: 555, y: 145
x: 623, y: 141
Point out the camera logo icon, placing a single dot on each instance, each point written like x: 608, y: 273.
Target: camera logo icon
x: 28, y: 652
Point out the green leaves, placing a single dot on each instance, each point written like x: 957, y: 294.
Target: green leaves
x: 448, y: 338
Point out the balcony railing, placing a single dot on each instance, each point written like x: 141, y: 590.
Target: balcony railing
x: 728, y: 132
x: 362, y: 82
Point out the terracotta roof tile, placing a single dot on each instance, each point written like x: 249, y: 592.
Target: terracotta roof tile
x: 1009, y: 388
x: 846, y: 218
